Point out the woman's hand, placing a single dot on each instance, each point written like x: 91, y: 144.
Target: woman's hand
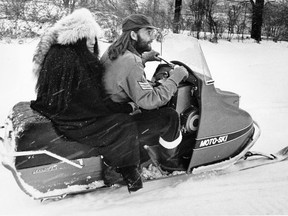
x: 135, y: 108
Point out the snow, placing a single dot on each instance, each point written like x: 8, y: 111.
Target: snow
x: 257, y: 72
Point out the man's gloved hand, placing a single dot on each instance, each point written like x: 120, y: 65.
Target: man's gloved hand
x: 179, y: 70
x: 150, y: 56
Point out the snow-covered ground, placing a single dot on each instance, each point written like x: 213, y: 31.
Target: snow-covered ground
x: 258, y: 72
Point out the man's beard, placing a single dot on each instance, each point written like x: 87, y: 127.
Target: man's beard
x: 142, y: 46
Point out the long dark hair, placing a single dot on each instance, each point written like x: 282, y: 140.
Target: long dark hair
x: 119, y: 46
x: 64, y: 70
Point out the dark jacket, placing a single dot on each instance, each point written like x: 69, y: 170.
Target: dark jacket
x: 70, y: 94
x: 77, y: 100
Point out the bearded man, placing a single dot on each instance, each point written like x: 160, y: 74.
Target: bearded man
x: 125, y: 81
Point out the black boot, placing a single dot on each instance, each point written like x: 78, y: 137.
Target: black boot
x: 169, y: 159
x: 132, y: 177
x: 111, y: 176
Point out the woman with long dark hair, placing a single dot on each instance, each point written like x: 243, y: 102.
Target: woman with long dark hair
x: 70, y: 93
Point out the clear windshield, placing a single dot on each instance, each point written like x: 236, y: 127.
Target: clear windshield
x: 185, y: 49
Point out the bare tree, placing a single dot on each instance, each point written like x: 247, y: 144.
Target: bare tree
x: 14, y: 11
x: 25, y: 19
x: 159, y: 12
x: 234, y: 12
x: 275, y: 20
x: 212, y: 20
x: 69, y: 4
x: 257, y: 19
x: 177, y: 16
x: 243, y: 25
x: 197, y: 8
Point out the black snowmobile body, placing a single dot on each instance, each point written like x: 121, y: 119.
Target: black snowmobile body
x: 216, y: 133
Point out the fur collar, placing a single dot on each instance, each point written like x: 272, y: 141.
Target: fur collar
x: 77, y: 25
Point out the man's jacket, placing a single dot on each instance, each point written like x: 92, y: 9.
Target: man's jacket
x: 125, y: 81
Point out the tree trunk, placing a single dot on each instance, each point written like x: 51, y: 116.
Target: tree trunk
x: 177, y: 15
x: 66, y: 3
x: 257, y: 19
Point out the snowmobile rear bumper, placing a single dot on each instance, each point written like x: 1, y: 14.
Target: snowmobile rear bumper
x: 56, y: 180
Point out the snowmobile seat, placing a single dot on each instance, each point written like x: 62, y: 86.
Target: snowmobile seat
x: 33, y: 131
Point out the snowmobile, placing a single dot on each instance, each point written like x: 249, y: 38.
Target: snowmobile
x: 217, y: 133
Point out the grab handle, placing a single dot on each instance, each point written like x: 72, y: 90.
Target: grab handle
x: 38, y: 152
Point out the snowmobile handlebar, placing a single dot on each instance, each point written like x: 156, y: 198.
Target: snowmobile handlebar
x: 167, y: 62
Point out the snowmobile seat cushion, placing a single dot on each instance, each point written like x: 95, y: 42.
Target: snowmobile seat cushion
x: 35, y: 132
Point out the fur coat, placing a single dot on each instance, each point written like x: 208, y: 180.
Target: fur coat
x: 80, y: 24
x: 69, y: 91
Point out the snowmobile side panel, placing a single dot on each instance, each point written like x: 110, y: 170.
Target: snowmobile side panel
x: 229, y: 97
x: 231, y: 160
x: 220, y: 115
x: 59, y: 178
x: 214, y: 149
x: 223, y: 127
